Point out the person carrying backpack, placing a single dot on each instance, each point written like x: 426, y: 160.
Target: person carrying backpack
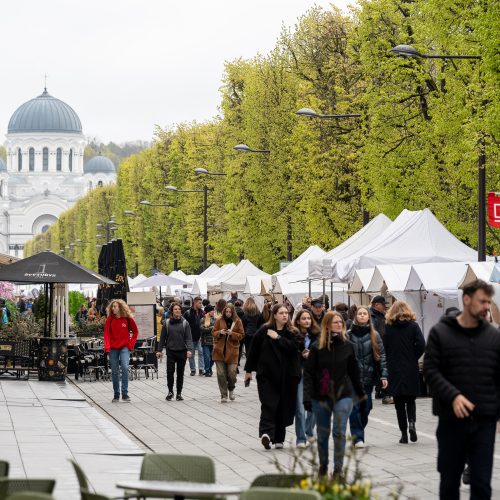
x: 176, y: 338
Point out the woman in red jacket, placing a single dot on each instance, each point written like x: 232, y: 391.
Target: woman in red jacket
x: 120, y: 334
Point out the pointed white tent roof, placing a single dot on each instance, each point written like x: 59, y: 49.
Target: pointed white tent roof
x: 200, y: 285
x: 441, y: 278
x: 395, y: 277
x: 235, y: 280
x: 210, y: 271
x: 323, y: 267
x: 361, y: 281
x: 300, y: 266
x: 413, y: 238
x: 483, y: 271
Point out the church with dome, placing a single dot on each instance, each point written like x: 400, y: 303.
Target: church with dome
x: 45, y: 173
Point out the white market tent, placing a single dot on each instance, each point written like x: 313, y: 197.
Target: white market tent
x: 209, y: 272
x: 300, y: 266
x: 431, y: 289
x: 483, y: 271
x: 359, y: 286
x: 389, y: 278
x: 200, y: 285
x: 415, y: 237
x: 235, y: 280
x: 255, y: 287
x: 322, y: 268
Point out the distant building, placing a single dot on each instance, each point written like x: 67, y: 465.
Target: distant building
x: 44, y: 175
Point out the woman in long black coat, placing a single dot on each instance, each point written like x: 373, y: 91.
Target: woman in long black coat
x: 274, y: 355
x: 404, y: 344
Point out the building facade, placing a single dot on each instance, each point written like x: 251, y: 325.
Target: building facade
x: 45, y: 173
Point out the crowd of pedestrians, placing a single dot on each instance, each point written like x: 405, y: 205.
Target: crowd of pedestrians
x: 319, y: 369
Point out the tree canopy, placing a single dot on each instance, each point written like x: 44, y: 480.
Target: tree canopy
x: 423, y: 124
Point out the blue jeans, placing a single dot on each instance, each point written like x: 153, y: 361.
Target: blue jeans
x: 207, y: 357
x: 197, y: 348
x: 359, y: 416
x: 119, y: 358
x: 323, y: 412
x: 304, y: 420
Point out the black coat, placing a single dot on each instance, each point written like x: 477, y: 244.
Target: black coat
x: 404, y: 344
x: 378, y: 321
x: 463, y: 361
x: 370, y: 371
x: 278, y: 371
x: 332, y: 374
x: 251, y: 323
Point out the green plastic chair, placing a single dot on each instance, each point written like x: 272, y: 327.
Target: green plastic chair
x: 4, y: 468
x: 277, y: 480
x: 10, y: 486
x: 279, y: 494
x: 83, y: 482
x: 33, y: 495
x: 162, y: 467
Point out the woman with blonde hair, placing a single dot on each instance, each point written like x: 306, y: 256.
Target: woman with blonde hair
x: 227, y: 332
x: 331, y: 373
x: 404, y: 344
x: 120, y: 334
x: 370, y: 354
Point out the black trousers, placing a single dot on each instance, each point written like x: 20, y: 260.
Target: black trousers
x: 271, y: 414
x: 175, y: 360
x: 406, y: 411
x: 460, y: 440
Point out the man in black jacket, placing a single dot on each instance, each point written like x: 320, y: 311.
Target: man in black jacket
x: 462, y: 368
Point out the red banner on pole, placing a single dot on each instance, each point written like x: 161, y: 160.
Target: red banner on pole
x: 494, y: 209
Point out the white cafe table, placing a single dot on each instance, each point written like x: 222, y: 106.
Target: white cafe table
x: 178, y: 489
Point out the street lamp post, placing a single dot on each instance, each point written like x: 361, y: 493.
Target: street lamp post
x: 310, y: 113
x: 205, y: 210
x: 409, y: 51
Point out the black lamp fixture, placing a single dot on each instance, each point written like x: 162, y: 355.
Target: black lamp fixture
x: 204, y: 171
x: 409, y: 51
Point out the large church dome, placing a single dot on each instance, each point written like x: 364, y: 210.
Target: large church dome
x: 45, y: 114
x: 99, y: 164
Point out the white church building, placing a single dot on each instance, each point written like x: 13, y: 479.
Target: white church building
x: 44, y: 175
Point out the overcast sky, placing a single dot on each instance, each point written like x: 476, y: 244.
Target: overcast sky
x: 127, y: 65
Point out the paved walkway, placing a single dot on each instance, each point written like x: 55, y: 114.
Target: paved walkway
x: 42, y: 424
x: 228, y: 433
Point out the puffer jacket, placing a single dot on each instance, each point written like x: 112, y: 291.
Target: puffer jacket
x: 463, y: 361
x: 362, y: 342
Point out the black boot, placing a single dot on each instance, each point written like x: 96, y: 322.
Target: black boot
x: 323, y: 470
x: 404, y: 438
x: 413, y: 431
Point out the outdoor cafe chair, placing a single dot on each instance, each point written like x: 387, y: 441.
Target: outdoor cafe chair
x: 31, y: 495
x: 9, y: 486
x: 147, y: 358
x: 277, y: 480
x: 4, y: 468
x: 83, y: 482
x: 279, y: 494
x: 166, y: 467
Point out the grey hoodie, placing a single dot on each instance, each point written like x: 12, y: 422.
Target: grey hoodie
x: 176, y: 336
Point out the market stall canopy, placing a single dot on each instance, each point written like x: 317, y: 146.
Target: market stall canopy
x: 300, y: 266
x: 49, y: 267
x: 495, y: 274
x: 235, y: 280
x: 389, y: 278
x: 210, y: 271
x: 160, y: 279
x: 415, y: 237
x: 322, y: 268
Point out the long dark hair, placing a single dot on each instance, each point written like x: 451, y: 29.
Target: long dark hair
x: 373, y: 333
x: 314, y: 329
x: 271, y: 323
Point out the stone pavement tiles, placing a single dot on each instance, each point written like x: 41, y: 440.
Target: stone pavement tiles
x: 229, y: 434
x: 43, y: 424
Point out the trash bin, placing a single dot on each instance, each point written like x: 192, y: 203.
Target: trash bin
x: 52, y: 358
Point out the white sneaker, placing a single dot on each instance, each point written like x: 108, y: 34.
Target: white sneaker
x: 301, y: 445
x: 278, y: 446
x: 311, y: 439
x: 359, y: 445
x: 223, y: 399
x: 266, y: 441
x: 232, y: 396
